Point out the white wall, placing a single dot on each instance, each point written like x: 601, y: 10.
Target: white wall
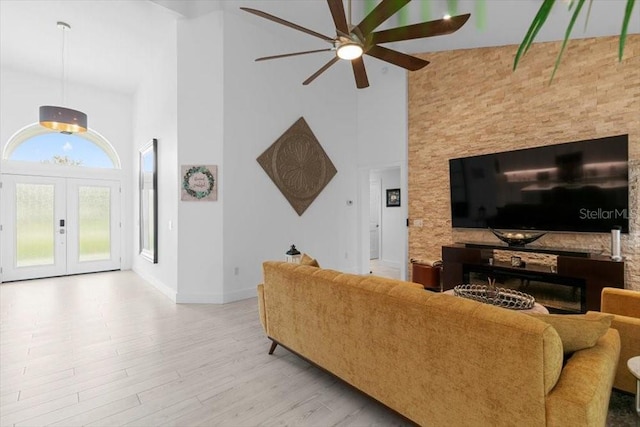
x: 200, y: 134
x: 109, y: 113
x: 155, y: 116
x: 392, y: 221
x: 261, y: 101
x: 208, y: 102
x: 382, y: 143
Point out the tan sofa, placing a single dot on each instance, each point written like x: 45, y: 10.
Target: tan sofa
x: 437, y: 359
x: 625, y: 305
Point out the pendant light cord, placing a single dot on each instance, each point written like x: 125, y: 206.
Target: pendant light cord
x: 63, y: 29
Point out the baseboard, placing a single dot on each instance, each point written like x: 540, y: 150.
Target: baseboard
x: 185, y: 298
x: 240, y: 295
x: 167, y: 291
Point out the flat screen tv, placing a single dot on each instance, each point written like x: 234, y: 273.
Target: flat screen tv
x: 580, y: 186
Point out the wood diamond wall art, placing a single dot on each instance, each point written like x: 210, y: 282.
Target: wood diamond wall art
x: 298, y: 166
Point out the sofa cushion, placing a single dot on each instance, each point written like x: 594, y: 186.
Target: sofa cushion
x: 578, y: 331
x: 307, y: 260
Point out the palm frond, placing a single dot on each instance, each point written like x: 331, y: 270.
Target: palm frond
x: 625, y: 25
x: 537, y: 23
x: 567, y: 34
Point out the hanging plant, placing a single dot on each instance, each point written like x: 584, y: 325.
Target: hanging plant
x: 577, y: 6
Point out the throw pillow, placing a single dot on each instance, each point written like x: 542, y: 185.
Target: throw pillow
x: 578, y: 331
x: 307, y: 260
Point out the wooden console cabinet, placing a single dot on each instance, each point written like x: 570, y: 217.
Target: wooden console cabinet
x: 578, y: 269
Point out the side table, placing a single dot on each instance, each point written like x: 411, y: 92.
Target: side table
x: 634, y: 366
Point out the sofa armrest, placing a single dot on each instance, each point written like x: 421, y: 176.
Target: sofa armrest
x: 625, y: 302
x: 581, y: 395
x: 261, y: 308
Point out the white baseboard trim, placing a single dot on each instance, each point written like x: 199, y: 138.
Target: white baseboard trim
x: 183, y: 298
x: 167, y: 291
x: 241, y: 294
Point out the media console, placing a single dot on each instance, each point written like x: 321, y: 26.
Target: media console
x: 573, y: 286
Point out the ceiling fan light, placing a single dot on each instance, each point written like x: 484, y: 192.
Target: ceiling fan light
x: 350, y: 51
x: 62, y: 119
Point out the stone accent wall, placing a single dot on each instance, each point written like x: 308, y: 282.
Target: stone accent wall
x: 470, y: 102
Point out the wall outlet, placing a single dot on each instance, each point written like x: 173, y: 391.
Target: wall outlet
x: 417, y: 223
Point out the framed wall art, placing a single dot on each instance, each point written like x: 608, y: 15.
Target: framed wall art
x: 199, y: 183
x: 393, y: 197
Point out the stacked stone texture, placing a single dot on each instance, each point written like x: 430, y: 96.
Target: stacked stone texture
x: 470, y: 102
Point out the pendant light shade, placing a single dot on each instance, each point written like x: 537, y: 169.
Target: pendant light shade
x: 62, y: 119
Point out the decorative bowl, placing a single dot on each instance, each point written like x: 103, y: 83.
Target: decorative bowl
x: 517, y: 238
x: 502, y: 297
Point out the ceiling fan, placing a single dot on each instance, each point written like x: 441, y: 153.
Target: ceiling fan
x: 353, y: 41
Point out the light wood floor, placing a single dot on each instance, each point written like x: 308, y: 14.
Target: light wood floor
x: 109, y: 350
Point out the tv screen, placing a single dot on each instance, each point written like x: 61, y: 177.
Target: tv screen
x: 580, y: 186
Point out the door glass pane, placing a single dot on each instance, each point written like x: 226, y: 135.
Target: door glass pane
x: 94, y: 228
x: 35, y: 233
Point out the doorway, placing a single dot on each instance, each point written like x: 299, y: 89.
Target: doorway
x: 387, y: 223
x: 375, y: 216
x: 57, y: 226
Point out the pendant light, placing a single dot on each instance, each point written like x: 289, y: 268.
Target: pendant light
x: 61, y: 119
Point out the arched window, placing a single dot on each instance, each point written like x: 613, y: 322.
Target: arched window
x: 35, y: 143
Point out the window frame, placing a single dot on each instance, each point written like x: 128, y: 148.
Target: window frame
x: 35, y: 129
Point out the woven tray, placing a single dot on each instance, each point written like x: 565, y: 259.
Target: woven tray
x: 501, y: 297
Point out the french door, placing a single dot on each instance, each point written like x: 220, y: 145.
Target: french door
x: 59, y: 226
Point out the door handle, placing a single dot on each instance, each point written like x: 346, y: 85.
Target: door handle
x: 62, y: 231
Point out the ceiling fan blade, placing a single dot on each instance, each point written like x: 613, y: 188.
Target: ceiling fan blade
x: 426, y: 29
x: 339, y: 17
x: 360, y: 73
x: 321, y: 70
x: 284, y: 55
x: 287, y: 23
x: 382, y: 12
x: 400, y: 59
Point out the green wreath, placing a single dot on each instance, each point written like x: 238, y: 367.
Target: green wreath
x: 198, y: 194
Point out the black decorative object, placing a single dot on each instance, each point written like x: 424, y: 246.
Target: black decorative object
x: 517, y: 238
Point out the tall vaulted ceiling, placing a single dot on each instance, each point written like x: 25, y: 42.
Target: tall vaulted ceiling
x: 112, y: 42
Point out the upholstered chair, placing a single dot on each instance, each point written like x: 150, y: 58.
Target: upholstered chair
x: 625, y: 305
